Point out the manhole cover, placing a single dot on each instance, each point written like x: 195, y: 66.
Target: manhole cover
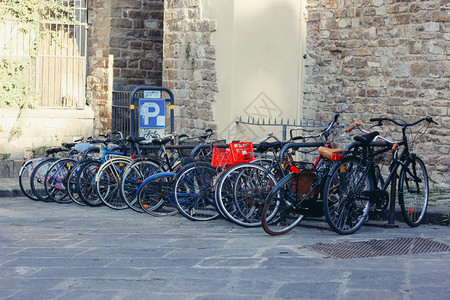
x: 372, y: 248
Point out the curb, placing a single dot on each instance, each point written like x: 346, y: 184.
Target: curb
x: 10, y: 192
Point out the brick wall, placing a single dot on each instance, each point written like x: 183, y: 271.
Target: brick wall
x: 136, y: 42
x: 189, y: 65
x: 370, y: 58
x: 124, y: 51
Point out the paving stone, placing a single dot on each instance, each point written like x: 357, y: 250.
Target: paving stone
x: 52, y: 251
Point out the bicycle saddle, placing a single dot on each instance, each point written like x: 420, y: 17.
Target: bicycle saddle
x: 135, y: 139
x: 54, y: 150
x: 162, y: 141
x: 366, y: 138
x: 68, y: 145
x: 334, y: 154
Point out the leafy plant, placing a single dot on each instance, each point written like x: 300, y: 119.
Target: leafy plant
x: 39, y: 151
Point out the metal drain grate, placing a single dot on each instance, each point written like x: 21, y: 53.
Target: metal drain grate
x: 372, y: 248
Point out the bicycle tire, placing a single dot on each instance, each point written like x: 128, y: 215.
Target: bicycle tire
x: 413, y: 198
x: 345, y: 207
x: 72, y: 188
x: 202, y: 153
x: 92, y: 153
x: 25, y: 177
x: 279, y: 216
x: 38, y: 176
x: 57, y: 180
x: 193, y: 193
x: 241, y: 193
x: 86, y: 183
x: 155, y: 195
x: 107, y: 182
x: 133, y: 176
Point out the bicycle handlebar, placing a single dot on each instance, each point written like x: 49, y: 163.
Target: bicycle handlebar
x: 380, y: 120
x: 351, y: 127
x: 203, y: 136
x: 325, y: 132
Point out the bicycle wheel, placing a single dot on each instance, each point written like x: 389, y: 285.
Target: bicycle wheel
x: 107, y: 182
x: 241, y: 193
x: 25, y: 177
x: 86, y: 183
x: 193, y: 193
x: 72, y: 188
x: 344, y: 204
x: 413, y: 192
x: 279, y: 214
x: 133, y: 175
x: 155, y: 193
x: 57, y: 178
x: 37, y: 179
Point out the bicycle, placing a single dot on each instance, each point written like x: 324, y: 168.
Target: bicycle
x: 297, y: 194
x: 57, y: 176
x: 37, y: 177
x: 85, y: 176
x: 89, y: 152
x: 193, y: 189
x: 154, y: 192
x: 352, y: 185
x: 141, y: 168
x: 25, y: 175
x: 242, y: 189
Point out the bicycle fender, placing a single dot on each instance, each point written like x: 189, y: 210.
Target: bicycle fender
x: 153, y: 177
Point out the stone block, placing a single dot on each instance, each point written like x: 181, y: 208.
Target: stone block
x: 441, y: 16
x: 121, y: 23
x: 401, y: 19
x: 135, y: 4
x: 432, y: 26
x: 419, y: 69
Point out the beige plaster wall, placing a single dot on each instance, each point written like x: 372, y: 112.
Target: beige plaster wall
x: 21, y: 132
x: 259, y: 48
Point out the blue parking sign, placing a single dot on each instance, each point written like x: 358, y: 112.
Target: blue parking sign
x: 152, y: 113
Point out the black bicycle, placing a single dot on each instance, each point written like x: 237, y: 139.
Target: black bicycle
x: 354, y: 186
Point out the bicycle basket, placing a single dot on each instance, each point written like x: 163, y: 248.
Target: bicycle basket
x: 237, y: 153
x: 241, y: 152
x: 384, y: 158
x: 220, y: 157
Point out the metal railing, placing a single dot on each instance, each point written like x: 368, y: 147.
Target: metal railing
x: 283, y: 123
x: 125, y: 109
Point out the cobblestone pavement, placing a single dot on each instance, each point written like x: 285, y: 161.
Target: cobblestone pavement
x: 54, y: 251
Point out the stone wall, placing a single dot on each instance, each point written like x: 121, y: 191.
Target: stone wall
x: 99, y: 63
x: 124, y: 51
x: 189, y: 65
x: 136, y: 42
x: 371, y: 58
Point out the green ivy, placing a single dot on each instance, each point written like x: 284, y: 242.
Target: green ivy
x: 17, y: 74
x: 15, y: 81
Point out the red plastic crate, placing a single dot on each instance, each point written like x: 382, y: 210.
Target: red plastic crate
x: 220, y: 157
x: 241, y: 152
x: 237, y: 153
